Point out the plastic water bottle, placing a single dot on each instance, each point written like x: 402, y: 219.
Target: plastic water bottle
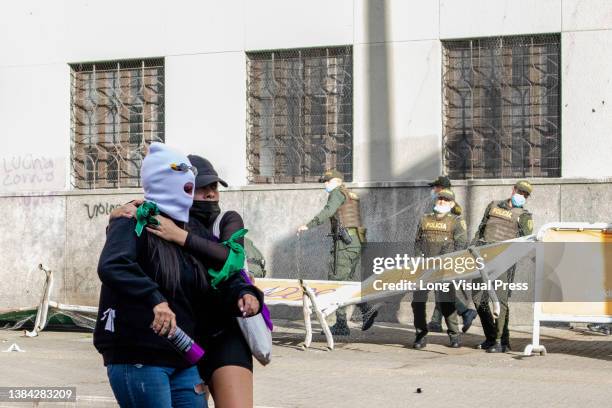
x: 189, y: 349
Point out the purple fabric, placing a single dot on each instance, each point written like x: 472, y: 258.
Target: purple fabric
x: 194, y: 354
x: 265, y: 312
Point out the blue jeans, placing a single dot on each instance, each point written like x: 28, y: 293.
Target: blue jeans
x: 137, y: 385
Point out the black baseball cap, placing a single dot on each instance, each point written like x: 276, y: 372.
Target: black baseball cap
x: 206, y: 172
x: 441, y: 181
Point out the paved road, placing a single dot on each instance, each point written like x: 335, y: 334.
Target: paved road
x: 374, y: 369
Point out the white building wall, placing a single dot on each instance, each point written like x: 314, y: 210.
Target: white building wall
x: 66, y: 31
x: 580, y: 15
x: 397, y: 93
x: 403, y: 20
x: 586, y: 114
x: 35, y: 127
x: 397, y: 73
x: 486, y: 18
x: 586, y: 88
x: 397, y: 127
x: 206, y: 109
x: 279, y: 24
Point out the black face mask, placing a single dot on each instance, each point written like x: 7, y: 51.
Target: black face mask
x: 205, y: 211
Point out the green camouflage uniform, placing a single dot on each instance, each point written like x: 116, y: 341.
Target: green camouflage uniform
x: 500, y: 222
x: 438, y: 235
x: 255, y: 259
x: 345, y: 257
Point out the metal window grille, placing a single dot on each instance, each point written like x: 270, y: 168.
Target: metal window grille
x: 300, y: 114
x: 117, y: 109
x: 501, y: 109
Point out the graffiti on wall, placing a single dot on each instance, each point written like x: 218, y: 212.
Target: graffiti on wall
x: 31, y: 172
x: 100, y: 209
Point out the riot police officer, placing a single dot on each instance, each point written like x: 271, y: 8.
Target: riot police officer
x: 438, y: 185
x: 502, y: 220
x: 348, y: 234
x: 439, y: 232
x: 464, y: 305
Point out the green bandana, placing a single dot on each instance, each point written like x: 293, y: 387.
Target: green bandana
x: 235, y: 259
x: 145, y: 216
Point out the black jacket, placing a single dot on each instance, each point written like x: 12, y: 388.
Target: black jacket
x: 218, y: 310
x: 130, y: 290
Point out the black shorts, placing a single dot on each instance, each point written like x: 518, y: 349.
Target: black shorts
x: 228, y: 348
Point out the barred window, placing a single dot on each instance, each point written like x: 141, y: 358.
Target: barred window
x: 300, y: 114
x: 117, y: 109
x: 502, y: 113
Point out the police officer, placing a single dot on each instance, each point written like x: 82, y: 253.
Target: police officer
x: 342, y: 209
x: 463, y: 299
x: 255, y: 259
x: 502, y: 220
x: 438, y: 185
x: 439, y: 232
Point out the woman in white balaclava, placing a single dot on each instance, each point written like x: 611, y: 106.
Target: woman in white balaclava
x: 227, y: 366
x: 149, y: 287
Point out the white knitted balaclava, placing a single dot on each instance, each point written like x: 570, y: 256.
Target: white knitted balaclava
x: 165, y: 186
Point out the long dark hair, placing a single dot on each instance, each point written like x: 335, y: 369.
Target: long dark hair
x: 167, y: 258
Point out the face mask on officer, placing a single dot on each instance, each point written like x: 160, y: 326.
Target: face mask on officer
x: 332, y: 184
x: 518, y: 199
x: 443, y: 206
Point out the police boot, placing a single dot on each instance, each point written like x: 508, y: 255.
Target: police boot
x: 368, y: 315
x: 421, y: 339
x: 495, y: 348
x: 505, y: 344
x: 468, y: 318
x: 454, y: 341
x: 485, y: 344
x: 340, y: 328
